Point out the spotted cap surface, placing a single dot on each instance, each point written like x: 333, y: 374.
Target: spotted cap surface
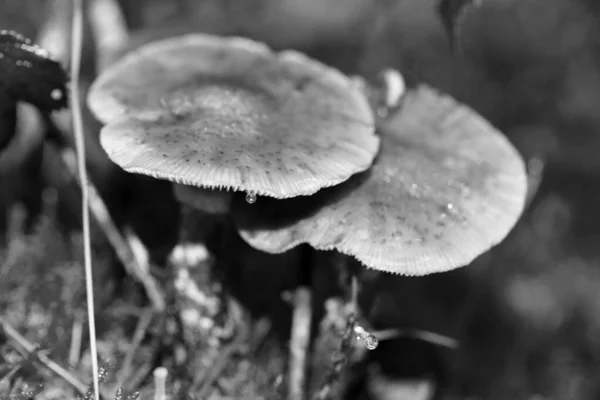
x: 228, y: 113
x: 445, y: 188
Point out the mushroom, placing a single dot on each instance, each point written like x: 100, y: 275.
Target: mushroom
x: 228, y: 113
x: 445, y: 187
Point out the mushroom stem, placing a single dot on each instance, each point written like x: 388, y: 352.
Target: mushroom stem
x: 299, y: 343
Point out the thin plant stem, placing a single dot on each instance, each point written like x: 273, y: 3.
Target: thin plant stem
x: 27, y: 348
x: 76, y: 336
x: 76, y: 49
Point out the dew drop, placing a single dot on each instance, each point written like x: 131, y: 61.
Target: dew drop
x: 372, y: 342
x: 251, y: 197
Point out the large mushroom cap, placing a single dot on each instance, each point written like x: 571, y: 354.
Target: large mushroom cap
x: 445, y: 188
x: 220, y: 112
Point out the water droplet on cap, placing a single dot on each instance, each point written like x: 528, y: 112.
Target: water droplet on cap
x: 251, y: 197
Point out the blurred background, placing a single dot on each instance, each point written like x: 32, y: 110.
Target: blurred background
x: 527, y: 313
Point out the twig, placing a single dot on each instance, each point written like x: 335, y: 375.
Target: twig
x: 120, y: 245
x: 139, y: 251
x: 160, y: 380
x: 426, y: 336
x: 76, y: 336
x: 8, y: 376
x: 76, y: 48
x: 138, y: 336
x: 299, y: 343
x: 30, y: 349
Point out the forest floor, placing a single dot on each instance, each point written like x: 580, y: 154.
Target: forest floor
x: 531, y: 331
x: 45, y: 325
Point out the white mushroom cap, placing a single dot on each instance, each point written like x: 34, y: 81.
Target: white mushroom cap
x: 220, y: 112
x: 446, y: 187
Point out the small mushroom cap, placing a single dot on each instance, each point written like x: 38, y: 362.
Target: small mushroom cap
x: 445, y: 188
x: 207, y: 200
x: 220, y: 112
